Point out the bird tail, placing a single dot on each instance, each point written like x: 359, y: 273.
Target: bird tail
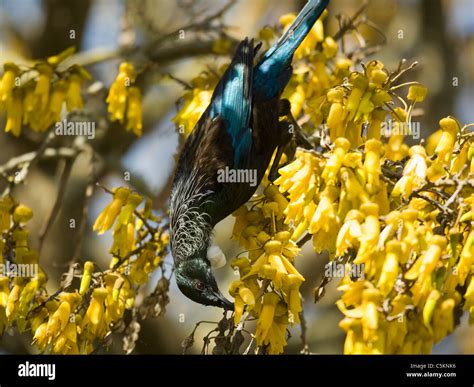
x: 273, y: 68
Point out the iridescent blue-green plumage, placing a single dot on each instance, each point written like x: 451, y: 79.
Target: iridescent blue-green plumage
x: 273, y: 71
x: 239, y: 130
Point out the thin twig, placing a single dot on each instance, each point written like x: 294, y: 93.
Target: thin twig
x: 348, y: 25
x: 49, y: 153
x: 26, y: 166
x: 89, y: 191
x: 57, y: 204
x: 303, y: 240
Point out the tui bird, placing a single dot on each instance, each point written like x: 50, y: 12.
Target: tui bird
x: 239, y: 131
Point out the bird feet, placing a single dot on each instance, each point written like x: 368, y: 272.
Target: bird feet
x: 292, y: 126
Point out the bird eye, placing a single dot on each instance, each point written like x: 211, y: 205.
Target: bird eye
x: 198, y: 285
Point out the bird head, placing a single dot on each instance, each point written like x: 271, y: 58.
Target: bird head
x: 196, y: 281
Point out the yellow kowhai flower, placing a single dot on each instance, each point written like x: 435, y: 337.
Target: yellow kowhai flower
x: 61, y: 57
x: 66, y: 343
x: 134, y: 111
x: 29, y: 112
x: 350, y: 232
x: 221, y: 46
x: 469, y: 297
x: 59, y: 319
x: 325, y: 221
x: 196, y: 100
x: 278, y: 264
x: 73, y: 96
x: 372, y: 168
x: 417, y: 93
x: 266, y: 34
x: 353, y: 189
x: 396, y: 149
x: 299, y: 179
x: 336, y: 115
x: 430, y: 306
x: 110, y: 213
x: 118, y: 292
x: 443, y: 319
x: 359, y: 84
x: 445, y: 146
x: 43, y: 86
x: 292, y: 297
x: 86, y: 277
x: 243, y: 295
x: 195, y: 103
x: 460, y: 159
x: 13, y: 298
x: 118, y: 94
x: 6, y: 205
x: 124, y: 240
x: 370, y: 232
x: 126, y: 214
x: 397, y: 328
x: 4, y: 295
x: 58, y: 96
x: 414, y: 173
x: 362, y: 324
x: 40, y: 338
x: 265, y: 319
x: 22, y: 214
x: 330, y: 47
x: 14, y: 113
x: 390, y: 267
x: 7, y: 82
x: 424, y: 267
x: 26, y: 297
x: 331, y: 169
x: 94, y: 319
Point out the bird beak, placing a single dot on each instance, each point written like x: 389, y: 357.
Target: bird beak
x: 224, y: 302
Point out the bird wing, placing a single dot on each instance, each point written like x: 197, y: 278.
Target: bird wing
x: 222, y: 138
x: 232, y: 100
x: 207, y: 150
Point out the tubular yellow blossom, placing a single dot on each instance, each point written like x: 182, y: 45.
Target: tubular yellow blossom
x: 370, y: 232
x: 118, y: 94
x: 134, y: 111
x: 450, y: 129
x: 265, y: 319
x: 414, y: 173
x: 73, y: 96
x: 417, y: 93
x: 373, y: 149
x: 108, y: 216
x: 58, y: 96
x: 94, y: 317
x: 22, y: 214
x: 7, y: 82
x: 341, y: 146
x: 429, y: 307
x: 14, y: 114
x: 43, y: 85
x: 350, y: 232
x: 86, y: 277
x: 390, y: 267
